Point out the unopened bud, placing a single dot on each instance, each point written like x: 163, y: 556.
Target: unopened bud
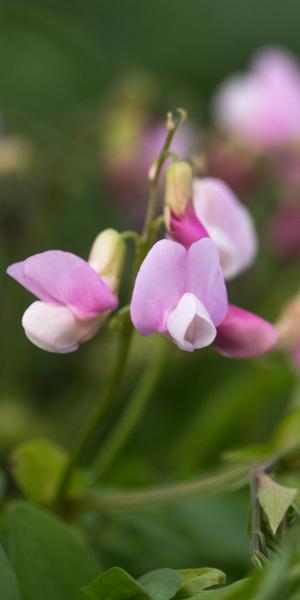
x: 179, y: 187
x: 107, y: 257
x: 288, y: 325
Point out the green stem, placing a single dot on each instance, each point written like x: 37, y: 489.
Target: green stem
x: 132, y: 413
x: 142, y: 245
x: 166, y: 494
x: 156, y: 167
x: 98, y: 411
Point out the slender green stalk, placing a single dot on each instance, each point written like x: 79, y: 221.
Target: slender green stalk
x: 141, y: 247
x: 131, y: 415
x: 99, y: 410
x: 166, y: 494
x: 156, y: 167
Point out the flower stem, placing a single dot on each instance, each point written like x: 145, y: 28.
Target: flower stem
x: 157, y: 165
x: 173, y: 493
x: 142, y: 246
x: 132, y: 413
x: 81, y: 443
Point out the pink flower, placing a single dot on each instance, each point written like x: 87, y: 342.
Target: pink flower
x: 180, y: 293
x: 243, y: 335
x: 72, y: 300
x: 218, y: 213
x: 262, y: 107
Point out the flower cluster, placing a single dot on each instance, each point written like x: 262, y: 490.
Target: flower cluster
x: 179, y: 290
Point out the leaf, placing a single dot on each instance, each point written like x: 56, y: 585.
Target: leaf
x: 274, y: 499
x: 161, y: 584
x: 37, y: 467
x: 9, y: 588
x: 197, y: 580
x: 115, y: 584
x: 50, y: 559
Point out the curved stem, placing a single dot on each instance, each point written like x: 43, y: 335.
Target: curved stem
x: 131, y: 415
x: 166, y: 494
x: 98, y: 411
x: 156, y: 167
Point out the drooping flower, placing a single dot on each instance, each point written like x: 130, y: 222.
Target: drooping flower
x: 262, y: 107
x: 72, y: 299
x: 243, y: 334
x: 212, y: 210
x: 181, y: 293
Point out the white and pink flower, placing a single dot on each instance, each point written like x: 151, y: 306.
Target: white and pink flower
x: 72, y: 300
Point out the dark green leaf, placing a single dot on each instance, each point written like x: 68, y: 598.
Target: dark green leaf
x: 115, y: 584
x: 50, y: 559
x: 9, y: 588
x: 161, y: 584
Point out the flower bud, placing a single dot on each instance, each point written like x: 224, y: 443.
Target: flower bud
x: 288, y: 325
x: 107, y: 257
x: 179, y: 187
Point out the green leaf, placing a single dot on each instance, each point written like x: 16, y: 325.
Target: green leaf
x: 161, y: 584
x: 9, y: 588
x: 197, y: 580
x: 37, y: 467
x: 115, y: 584
x: 274, y: 499
x: 50, y: 559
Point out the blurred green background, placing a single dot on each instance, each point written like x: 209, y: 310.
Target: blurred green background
x: 60, y: 64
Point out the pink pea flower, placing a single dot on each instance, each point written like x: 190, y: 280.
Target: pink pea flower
x: 217, y: 212
x: 262, y: 106
x: 181, y: 293
x: 72, y: 300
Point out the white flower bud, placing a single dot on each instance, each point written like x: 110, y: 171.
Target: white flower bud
x: 179, y: 187
x: 107, y: 257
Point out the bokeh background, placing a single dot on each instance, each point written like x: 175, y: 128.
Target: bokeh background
x: 64, y: 67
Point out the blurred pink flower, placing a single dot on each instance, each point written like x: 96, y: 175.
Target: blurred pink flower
x: 284, y: 231
x: 262, y: 106
x: 218, y: 213
x: 72, y: 299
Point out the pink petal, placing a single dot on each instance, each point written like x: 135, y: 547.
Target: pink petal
x: 244, y: 335
x: 158, y: 286
x: 55, y: 328
x: 66, y: 279
x: 229, y: 224
x: 190, y: 325
x: 204, y: 279
x: 187, y: 229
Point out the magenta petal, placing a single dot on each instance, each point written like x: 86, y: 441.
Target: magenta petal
x: 187, y: 229
x: 158, y: 286
x: 63, y: 278
x: 204, y: 279
x: 244, y: 335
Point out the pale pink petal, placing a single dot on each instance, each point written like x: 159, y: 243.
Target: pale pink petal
x: 204, y: 279
x: 262, y: 107
x: 158, y: 286
x: 229, y: 224
x: 190, y: 325
x: 63, y: 278
x: 187, y: 229
x: 244, y: 335
x: 295, y: 357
